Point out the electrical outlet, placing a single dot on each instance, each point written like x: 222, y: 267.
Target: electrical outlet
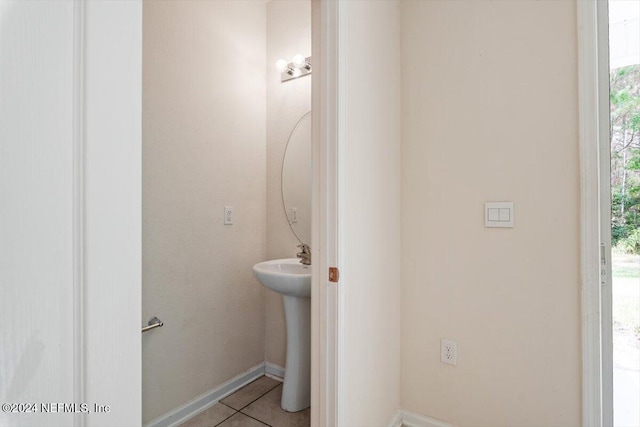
x: 448, y: 351
x: 228, y: 215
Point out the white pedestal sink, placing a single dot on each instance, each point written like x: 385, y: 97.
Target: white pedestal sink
x: 293, y: 280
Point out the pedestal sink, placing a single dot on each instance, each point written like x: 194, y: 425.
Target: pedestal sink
x: 293, y: 280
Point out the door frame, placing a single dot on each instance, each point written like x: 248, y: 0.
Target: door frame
x: 327, y: 298
x: 92, y: 314
x: 89, y: 289
x: 107, y: 196
x: 595, y: 211
x: 328, y: 123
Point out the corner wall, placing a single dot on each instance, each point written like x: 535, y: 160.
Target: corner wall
x: 490, y: 114
x: 204, y: 132
x: 288, y: 33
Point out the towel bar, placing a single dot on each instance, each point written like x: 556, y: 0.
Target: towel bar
x: 153, y: 323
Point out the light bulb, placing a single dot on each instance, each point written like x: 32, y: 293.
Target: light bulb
x: 296, y: 72
x: 282, y: 65
x: 299, y: 61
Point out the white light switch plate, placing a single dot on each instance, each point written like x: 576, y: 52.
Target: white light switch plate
x: 228, y: 215
x: 293, y: 215
x: 498, y: 214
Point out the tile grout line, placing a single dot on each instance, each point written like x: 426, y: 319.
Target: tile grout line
x: 239, y: 411
x: 257, y: 419
x: 228, y: 416
x: 263, y: 421
x: 255, y: 400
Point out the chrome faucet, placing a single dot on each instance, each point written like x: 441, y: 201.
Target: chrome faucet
x: 304, y: 254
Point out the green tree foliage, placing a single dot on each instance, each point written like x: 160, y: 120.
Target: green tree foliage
x: 625, y: 157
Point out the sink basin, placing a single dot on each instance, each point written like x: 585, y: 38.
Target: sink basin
x: 285, y: 276
x: 293, y: 280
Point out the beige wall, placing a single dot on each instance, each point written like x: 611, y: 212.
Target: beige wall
x: 371, y: 274
x: 490, y: 114
x: 288, y: 33
x: 204, y: 135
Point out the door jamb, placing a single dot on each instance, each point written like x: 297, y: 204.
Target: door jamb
x: 597, y: 399
x: 327, y: 299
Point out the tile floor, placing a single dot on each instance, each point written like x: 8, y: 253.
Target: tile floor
x: 255, y: 405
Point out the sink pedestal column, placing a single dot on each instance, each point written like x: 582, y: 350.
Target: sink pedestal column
x: 296, y: 391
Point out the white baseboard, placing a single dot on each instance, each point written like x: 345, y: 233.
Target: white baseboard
x: 203, y: 402
x: 396, y: 421
x: 274, y: 371
x: 411, y: 419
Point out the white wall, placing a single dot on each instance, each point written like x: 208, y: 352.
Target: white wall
x: 490, y: 114
x: 288, y: 33
x: 371, y: 277
x: 204, y: 105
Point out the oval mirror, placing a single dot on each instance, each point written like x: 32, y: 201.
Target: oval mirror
x: 296, y: 180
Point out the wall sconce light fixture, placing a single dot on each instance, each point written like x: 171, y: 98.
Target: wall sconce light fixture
x: 299, y: 67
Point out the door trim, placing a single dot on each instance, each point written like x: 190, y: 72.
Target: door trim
x: 604, y: 144
x: 111, y: 202
x: 327, y: 299
x: 597, y: 399
x: 79, y: 252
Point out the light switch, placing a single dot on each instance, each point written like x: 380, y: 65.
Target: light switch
x: 498, y: 214
x: 228, y: 215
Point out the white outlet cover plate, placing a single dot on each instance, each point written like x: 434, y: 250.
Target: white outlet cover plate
x: 448, y: 352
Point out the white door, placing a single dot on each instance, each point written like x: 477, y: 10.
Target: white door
x: 70, y: 95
